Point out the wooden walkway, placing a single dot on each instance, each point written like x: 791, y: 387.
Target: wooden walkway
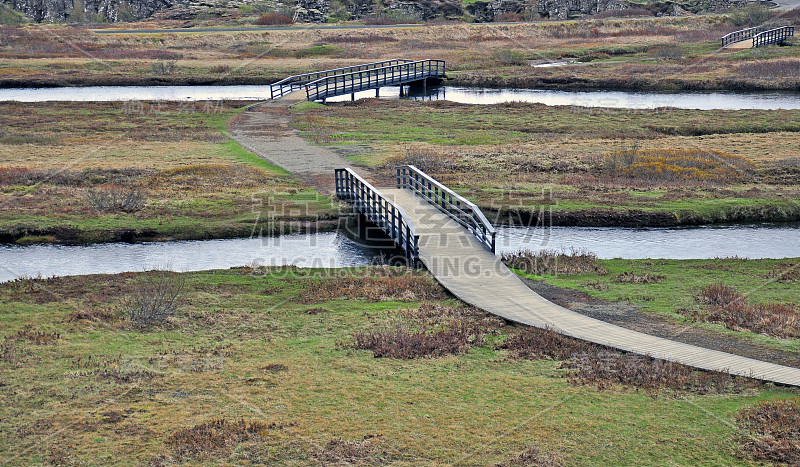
x: 463, y: 264
x: 756, y: 37
x: 349, y: 80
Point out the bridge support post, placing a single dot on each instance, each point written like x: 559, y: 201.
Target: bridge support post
x: 377, y: 92
x: 401, y: 90
x: 424, y: 88
x: 352, y: 96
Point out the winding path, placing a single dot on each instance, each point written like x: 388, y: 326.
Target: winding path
x: 264, y: 130
x: 462, y: 264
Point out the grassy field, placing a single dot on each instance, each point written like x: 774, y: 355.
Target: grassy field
x: 661, y: 53
x: 674, y: 289
x: 520, y: 161
x: 85, y: 172
x: 81, y: 383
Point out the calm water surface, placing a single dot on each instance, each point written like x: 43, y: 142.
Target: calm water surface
x: 613, y: 99
x: 333, y: 250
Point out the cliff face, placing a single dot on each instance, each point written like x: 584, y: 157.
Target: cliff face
x: 322, y: 10
x: 88, y: 10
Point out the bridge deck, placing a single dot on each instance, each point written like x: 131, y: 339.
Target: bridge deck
x: 475, y: 275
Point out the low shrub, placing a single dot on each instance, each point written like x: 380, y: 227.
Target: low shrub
x: 508, y: 57
x: 726, y: 306
x: 574, y: 262
x: 428, y: 160
x: 592, y: 364
x: 163, y: 68
x: 155, y: 297
x: 273, y: 19
x: 345, y: 452
x: 532, y: 457
x: 400, y: 341
x: 214, y: 437
x: 220, y: 69
x: 388, y: 284
x: 633, y: 278
x: 678, y: 165
x: 776, y: 69
x: 771, y: 431
x: 718, y: 294
x: 113, y: 198
x: 38, y: 337
x: 785, y: 272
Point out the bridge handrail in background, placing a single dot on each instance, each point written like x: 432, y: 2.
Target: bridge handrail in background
x: 372, y: 78
x: 296, y: 82
x: 390, y: 217
x: 773, y: 36
x: 456, y: 206
x: 741, y: 35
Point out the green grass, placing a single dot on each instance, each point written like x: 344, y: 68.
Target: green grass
x: 477, y: 409
x: 682, y: 282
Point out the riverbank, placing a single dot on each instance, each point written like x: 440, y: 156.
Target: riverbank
x: 274, y: 365
x: 533, y: 164
x: 642, y: 53
x: 132, y: 171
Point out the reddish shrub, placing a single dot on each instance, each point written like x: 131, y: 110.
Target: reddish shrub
x: 772, y: 431
x: 402, y: 342
x: 273, y: 19
x: 214, y: 436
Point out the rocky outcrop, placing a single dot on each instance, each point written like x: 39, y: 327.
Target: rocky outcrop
x: 323, y: 10
x: 487, y: 11
x: 88, y: 10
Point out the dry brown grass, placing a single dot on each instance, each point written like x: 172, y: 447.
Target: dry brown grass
x: 380, y: 285
x: 771, y: 431
x: 670, y: 165
x: 570, y: 263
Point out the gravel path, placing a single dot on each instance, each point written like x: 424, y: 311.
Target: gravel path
x: 264, y: 130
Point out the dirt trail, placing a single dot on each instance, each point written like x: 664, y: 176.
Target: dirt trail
x: 264, y: 130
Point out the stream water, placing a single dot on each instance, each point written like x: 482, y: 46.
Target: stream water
x: 705, y: 100
x: 334, y: 250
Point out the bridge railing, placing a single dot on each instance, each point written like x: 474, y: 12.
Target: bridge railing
x: 773, y: 36
x: 390, y: 217
x: 456, y: 206
x: 296, y: 82
x: 345, y: 83
x: 743, y: 35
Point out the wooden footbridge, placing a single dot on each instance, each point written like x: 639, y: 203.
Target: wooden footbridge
x: 757, y: 37
x: 350, y: 80
x: 451, y: 237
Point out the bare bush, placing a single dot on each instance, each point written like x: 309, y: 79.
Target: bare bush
x: 634, y: 278
x: 426, y: 159
x: 508, y: 57
x: 772, y: 430
x: 163, y: 68
x: 214, y: 437
x: 592, y: 364
x: 114, y: 198
x: 570, y: 263
x: 156, y: 296
x: 400, y: 341
x: 345, y: 452
x: 273, y: 19
x: 726, y: 306
x: 532, y: 457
